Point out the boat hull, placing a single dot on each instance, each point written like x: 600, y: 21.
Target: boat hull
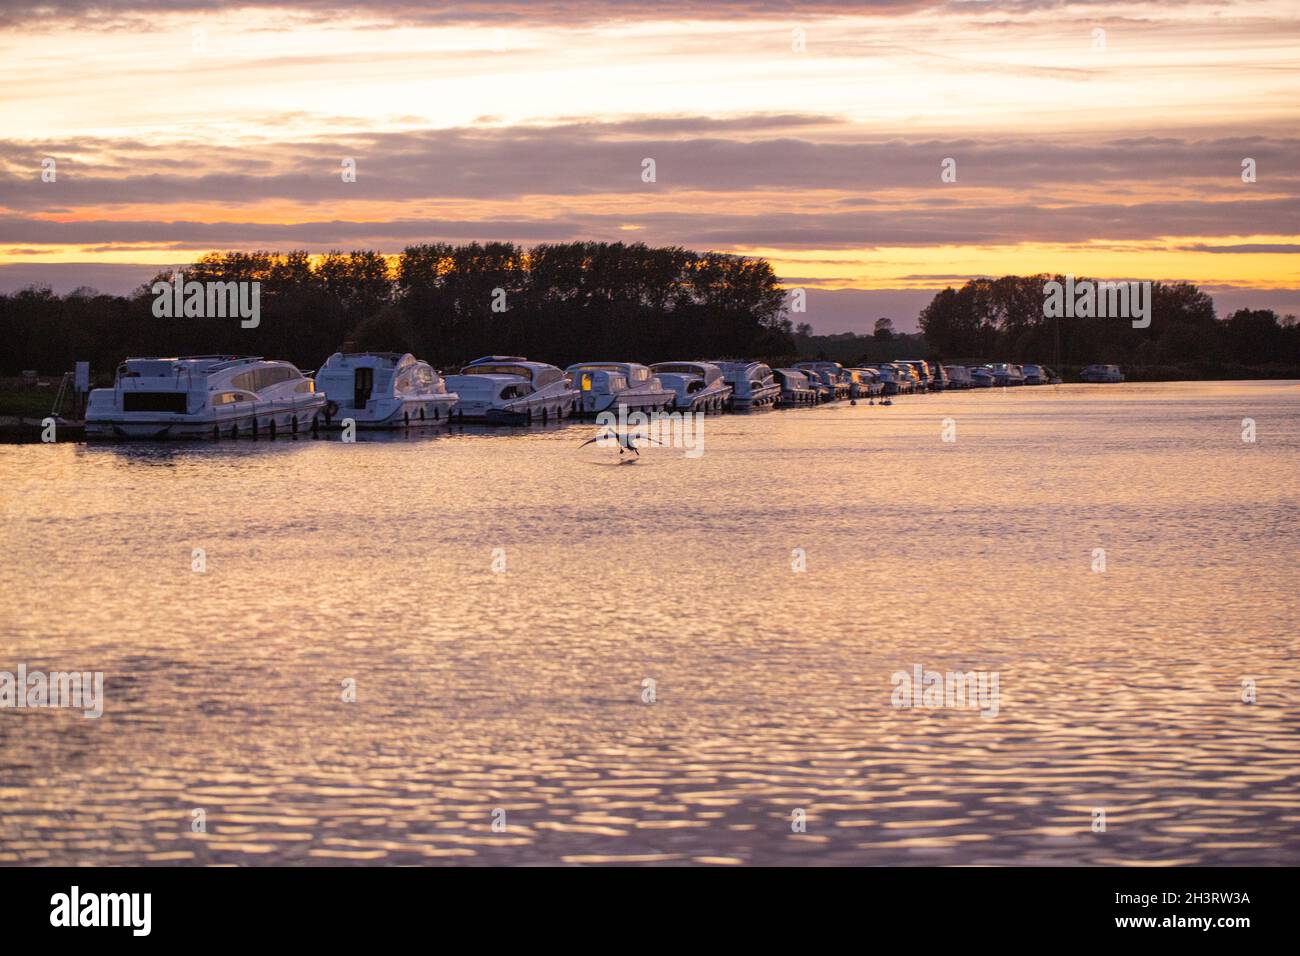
x: 765, y: 398
x: 433, y: 411
x: 266, y: 421
x: 554, y: 408
x: 589, y: 406
x: 706, y: 400
x: 795, y: 398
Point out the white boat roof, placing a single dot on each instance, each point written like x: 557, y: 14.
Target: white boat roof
x: 373, y: 359
x: 509, y: 360
x: 701, y: 368
x: 156, y: 366
x: 604, y: 366
x: 528, y: 366
x: 526, y: 369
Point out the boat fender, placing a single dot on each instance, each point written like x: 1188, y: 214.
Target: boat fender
x: 331, y: 409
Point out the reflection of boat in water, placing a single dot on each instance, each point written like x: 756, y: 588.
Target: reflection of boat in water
x: 610, y: 386
x: 696, y: 386
x: 508, y: 390
x: 383, y: 390
x: 203, y: 396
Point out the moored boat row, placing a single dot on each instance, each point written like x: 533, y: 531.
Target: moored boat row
x: 1004, y: 374
x: 229, y: 396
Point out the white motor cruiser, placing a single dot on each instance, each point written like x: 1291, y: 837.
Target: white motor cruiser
x: 1101, y: 373
x: 796, y: 389
x: 203, y: 396
x: 831, y: 374
x: 383, y: 390
x: 509, y: 390
x: 696, y: 386
x: 609, y: 386
x: 753, y: 384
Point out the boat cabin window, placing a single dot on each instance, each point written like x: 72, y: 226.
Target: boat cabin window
x: 515, y: 391
x: 419, y: 378
x: 640, y: 374
x: 229, y: 398
x: 522, y: 371
x: 598, y: 367
x: 256, y: 379
x: 154, y: 402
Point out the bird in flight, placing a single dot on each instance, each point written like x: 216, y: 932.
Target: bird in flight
x: 626, y: 440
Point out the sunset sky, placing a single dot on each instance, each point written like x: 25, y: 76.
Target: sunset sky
x: 1104, y: 139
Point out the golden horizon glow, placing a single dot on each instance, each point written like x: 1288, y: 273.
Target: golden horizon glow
x: 1113, y: 154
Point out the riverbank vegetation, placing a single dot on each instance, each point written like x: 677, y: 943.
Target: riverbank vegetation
x: 556, y: 303
x: 565, y: 302
x: 1003, y: 320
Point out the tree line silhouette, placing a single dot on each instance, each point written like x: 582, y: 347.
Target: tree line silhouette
x: 1004, y: 319
x: 566, y: 302
x: 448, y: 304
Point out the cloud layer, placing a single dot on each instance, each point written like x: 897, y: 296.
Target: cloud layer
x: 1097, y: 138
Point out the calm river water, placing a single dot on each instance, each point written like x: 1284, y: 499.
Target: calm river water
x: 519, y: 696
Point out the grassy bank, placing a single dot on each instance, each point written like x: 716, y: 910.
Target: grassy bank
x: 26, y: 401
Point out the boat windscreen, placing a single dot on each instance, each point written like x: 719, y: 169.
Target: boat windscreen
x: 523, y: 371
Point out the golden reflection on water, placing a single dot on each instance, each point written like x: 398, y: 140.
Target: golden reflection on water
x: 521, y: 692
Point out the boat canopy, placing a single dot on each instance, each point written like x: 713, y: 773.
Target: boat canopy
x: 635, y: 373
x: 539, y: 374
